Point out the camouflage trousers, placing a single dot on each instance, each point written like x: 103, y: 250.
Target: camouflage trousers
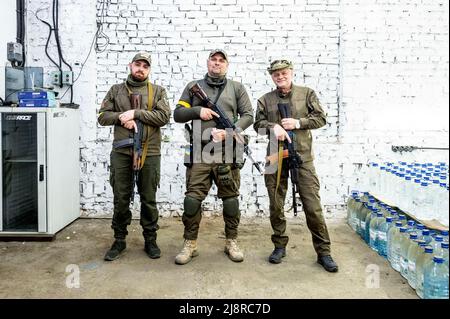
x: 309, y: 196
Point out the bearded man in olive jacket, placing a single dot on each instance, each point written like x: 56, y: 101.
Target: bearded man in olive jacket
x: 154, y: 112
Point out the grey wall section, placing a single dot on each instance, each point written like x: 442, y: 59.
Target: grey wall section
x: 379, y: 68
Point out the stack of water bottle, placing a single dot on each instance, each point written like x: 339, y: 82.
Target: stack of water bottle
x: 421, y: 189
x: 418, y: 253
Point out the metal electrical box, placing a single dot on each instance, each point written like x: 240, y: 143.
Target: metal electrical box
x: 39, y: 170
x: 15, y: 52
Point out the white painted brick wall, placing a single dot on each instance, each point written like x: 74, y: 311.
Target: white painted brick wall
x: 380, y: 69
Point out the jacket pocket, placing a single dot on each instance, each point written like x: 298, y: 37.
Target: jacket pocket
x: 304, y: 140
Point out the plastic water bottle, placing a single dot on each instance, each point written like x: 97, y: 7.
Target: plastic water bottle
x: 415, y: 205
x: 382, y: 180
x: 402, y: 218
x: 365, y: 210
x: 373, y: 177
x: 360, y: 211
x: 351, y: 203
x: 404, y: 249
x: 373, y: 230
x: 419, y: 228
x: 442, y: 179
x: 366, y: 197
x: 356, y: 210
x: 435, y: 284
x: 393, y: 213
x: 435, y: 192
x: 384, y: 209
x: 434, y: 233
x: 382, y: 236
x: 398, y: 189
x: 372, y: 214
x: 406, y: 193
x: 414, y: 252
x: 436, y: 243
x: 444, y: 250
x: 426, y: 236
x: 444, y: 234
x: 397, y: 248
x: 411, y: 225
x: 375, y: 203
x: 444, y: 213
x: 425, y: 202
x: 421, y: 263
x: 392, y: 182
x: 392, y: 237
x: 387, y: 182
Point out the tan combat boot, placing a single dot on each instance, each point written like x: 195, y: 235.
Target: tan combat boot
x: 233, y: 251
x: 189, y: 250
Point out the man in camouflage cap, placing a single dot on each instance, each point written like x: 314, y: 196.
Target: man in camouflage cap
x: 280, y: 65
x: 221, y: 52
x: 306, y: 114
x: 235, y: 102
x: 154, y: 113
x: 143, y: 56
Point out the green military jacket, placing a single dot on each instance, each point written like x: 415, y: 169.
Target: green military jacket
x: 117, y: 101
x: 305, y: 107
x: 234, y: 101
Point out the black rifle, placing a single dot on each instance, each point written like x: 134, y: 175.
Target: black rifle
x: 294, y: 160
x: 223, y: 121
x: 135, y: 142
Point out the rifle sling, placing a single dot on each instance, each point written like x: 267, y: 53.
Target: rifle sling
x: 149, y: 107
x: 280, y: 166
x: 221, y: 88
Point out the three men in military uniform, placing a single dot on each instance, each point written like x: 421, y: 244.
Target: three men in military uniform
x: 209, y: 165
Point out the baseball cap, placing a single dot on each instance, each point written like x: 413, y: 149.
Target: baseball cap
x: 145, y: 56
x: 225, y: 55
x: 279, y: 64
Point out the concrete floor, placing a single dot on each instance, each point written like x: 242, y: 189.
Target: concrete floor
x: 38, y: 269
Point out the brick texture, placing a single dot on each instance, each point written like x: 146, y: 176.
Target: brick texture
x: 380, y: 69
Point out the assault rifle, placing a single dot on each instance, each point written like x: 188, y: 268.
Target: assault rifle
x: 135, y: 142
x: 294, y: 160
x: 223, y: 121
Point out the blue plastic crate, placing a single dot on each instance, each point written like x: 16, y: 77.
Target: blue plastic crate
x: 37, y: 103
x: 28, y: 95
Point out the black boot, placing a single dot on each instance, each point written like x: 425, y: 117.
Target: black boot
x: 152, y: 249
x: 328, y: 263
x: 114, y: 252
x: 277, y: 254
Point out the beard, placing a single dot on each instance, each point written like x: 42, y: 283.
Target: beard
x: 138, y: 76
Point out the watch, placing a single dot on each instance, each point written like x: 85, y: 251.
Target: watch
x: 297, y: 125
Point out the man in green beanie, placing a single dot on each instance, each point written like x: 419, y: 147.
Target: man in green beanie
x: 153, y: 112
x: 306, y: 114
